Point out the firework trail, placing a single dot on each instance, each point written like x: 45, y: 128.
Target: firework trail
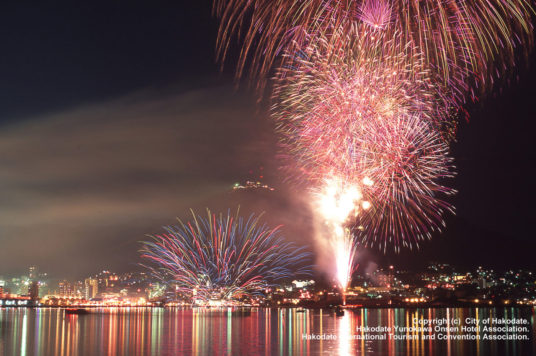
x: 338, y: 202
x: 223, y: 257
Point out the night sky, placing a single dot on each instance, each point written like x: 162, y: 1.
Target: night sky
x: 115, y: 119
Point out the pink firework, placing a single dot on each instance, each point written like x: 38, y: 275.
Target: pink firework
x: 376, y: 13
x: 468, y: 44
x: 337, y: 87
x: 406, y: 163
x: 356, y: 106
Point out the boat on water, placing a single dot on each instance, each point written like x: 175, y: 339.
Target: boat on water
x: 339, y: 311
x: 76, y: 311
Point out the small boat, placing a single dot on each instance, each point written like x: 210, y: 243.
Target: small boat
x: 76, y: 311
x: 339, y: 311
x: 300, y: 310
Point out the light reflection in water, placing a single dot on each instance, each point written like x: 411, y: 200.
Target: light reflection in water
x: 139, y: 331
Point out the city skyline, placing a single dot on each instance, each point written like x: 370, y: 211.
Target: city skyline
x: 437, y: 285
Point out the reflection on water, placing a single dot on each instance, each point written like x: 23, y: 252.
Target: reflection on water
x: 139, y: 331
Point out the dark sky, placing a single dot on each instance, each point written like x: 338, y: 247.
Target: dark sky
x: 115, y: 119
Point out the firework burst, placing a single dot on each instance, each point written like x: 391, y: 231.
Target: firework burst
x: 406, y: 163
x: 467, y: 43
x: 355, y: 106
x: 342, y: 92
x: 223, y: 257
x: 377, y: 14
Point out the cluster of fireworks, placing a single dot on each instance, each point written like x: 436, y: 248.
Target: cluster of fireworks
x: 222, y: 257
x: 365, y: 97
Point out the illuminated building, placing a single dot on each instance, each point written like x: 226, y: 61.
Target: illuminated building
x: 79, y: 289
x: 252, y: 185
x: 156, y: 290
x: 66, y: 289
x: 92, y: 288
x: 303, y: 284
x: 385, y: 280
x: 33, y: 290
x: 33, y: 273
x: 19, y: 286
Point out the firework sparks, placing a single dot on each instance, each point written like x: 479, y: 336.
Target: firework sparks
x: 467, y: 43
x: 407, y: 162
x: 223, y: 257
x: 378, y: 14
x: 337, y: 203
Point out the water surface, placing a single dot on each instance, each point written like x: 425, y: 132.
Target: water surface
x: 141, y: 331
